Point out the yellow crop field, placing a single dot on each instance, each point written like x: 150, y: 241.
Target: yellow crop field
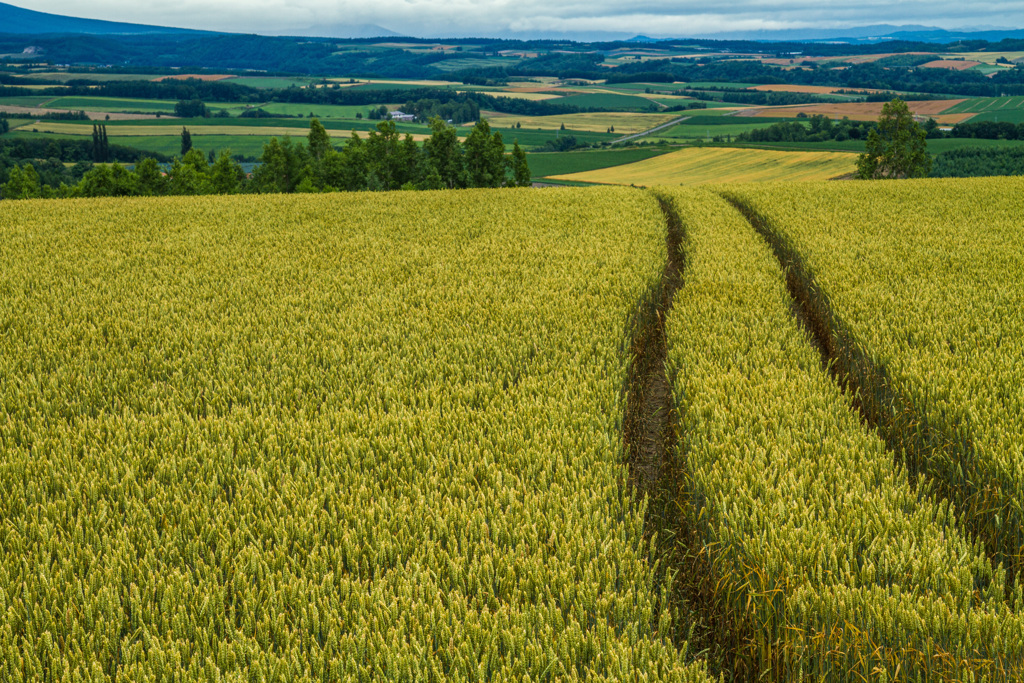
x: 624, y: 122
x: 696, y: 166
x: 174, y: 131
x: 338, y: 437
x: 821, y: 549
x: 736, y: 432
x: 925, y: 309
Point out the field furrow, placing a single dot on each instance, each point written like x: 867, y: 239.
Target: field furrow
x: 923, y: 317
x: 813, y: 555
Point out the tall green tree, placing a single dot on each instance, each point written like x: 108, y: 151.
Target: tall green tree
x: 319, y: 140
x: 486, y: 164
x: 186, y: 141
x: 100, y: 144
x: 283, y: 165
x: 444, y: 155
x: 520, y: 167
x: 225, y: 175
x: 386, y: 158
x: 897, y: 148
x: 151, y: 181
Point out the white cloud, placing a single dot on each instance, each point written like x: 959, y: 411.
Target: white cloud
x: 465, y: 17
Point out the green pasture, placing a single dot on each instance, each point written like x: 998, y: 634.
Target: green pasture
x: 533, y: 138
x: 699, y: 128
x: 270, y: 82
x: 26, y: 101
x: 558, y: 163
x: 607, y: 102
x: 101, y: 77
x: 112, y: 104
x: 457, y: 64
x: 986, y: 105
x: 321, y: 111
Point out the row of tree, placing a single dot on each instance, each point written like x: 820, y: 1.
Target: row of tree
x: 816, y: 128
x: 383, y: 161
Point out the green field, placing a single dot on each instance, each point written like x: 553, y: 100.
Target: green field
x: 607, y: 102
x: 101, y: 77
x: 468, y: 63
x: 321, y: 111
x: 556, y: 163
x: 25, y: 101
x: 112, y: 104
x: 701, y: 127
x: 270, y: 82
x: 991, y: 108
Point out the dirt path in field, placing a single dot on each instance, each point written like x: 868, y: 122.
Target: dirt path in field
x: 648, y: 430
x: 914, y: 441
x: 657, y: 474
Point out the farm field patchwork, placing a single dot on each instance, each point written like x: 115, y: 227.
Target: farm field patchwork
x: 700, y: 165
x: 623, y: 122
x: 345, y: 437
x: 60, y: 128
x: 862, y: 111
x: 988, y: 57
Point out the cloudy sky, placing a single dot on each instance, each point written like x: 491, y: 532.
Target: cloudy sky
x: 432, y: 18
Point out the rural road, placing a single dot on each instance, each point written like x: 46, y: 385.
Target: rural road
x: 651, y: 130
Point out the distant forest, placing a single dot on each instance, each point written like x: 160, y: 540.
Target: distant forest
x: 313, y: 56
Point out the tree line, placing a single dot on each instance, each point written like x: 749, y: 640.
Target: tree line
x: 383, y: 161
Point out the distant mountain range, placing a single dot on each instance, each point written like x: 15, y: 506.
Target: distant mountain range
x: 343, y: 31
x: 21, y: 21
x: 25, y: 21
x: 18, y: 20
x: 858, y: 35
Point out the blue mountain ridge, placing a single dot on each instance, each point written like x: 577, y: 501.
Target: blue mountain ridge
x: 18, y: 20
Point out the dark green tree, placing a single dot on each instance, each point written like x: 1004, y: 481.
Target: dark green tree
x: 22, y: 183
x: 191, y: 109
x: 520, y: 167
x: 387, y: 158
x: 319, y: 140
x: 897, y: 148
x: 107, y: 181
x: 486, y: 164
x: 444, y: 154
x: 283, y: 165
x: 100, y: 144
x: 151, y: 181
x: 186, y: 141
x: 225, y: 174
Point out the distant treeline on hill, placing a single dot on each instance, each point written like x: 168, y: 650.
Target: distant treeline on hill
x: 818, y: 129
x: 194, y: 90
x: 384, y: 161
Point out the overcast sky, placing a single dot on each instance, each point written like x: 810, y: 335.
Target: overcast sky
x: 433, y: 18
